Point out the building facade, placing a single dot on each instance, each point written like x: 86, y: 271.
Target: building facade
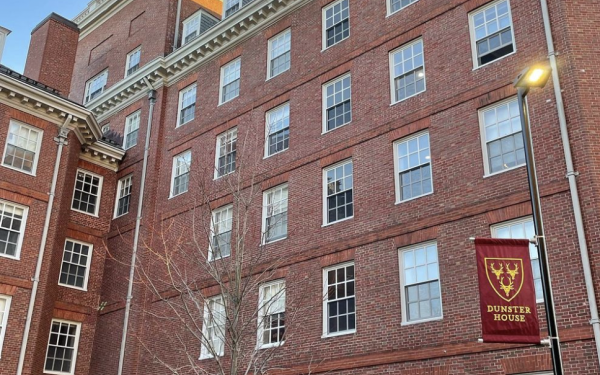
x: 351, y: 151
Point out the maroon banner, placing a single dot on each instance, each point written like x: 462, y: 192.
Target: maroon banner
x: 507, y: 292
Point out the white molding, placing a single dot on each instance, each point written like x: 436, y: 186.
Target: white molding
x: 324, y: 45
x: 96, y: 13
x: 75, y: 347
x: 270, y: 51
x: 119, y: 186
x: 21, y: 232
x: 101, y: 180
x: 393, y: 100
x: 37, y: 150
x: 397, y: 165
x: 474, y: 41
x: 324, y: 191
x: 4, y: 321
x: 325, y: 298
x: 324, y: 101
x: 87, y: 266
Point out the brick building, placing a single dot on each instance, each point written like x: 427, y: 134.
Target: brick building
x: 374, y: 140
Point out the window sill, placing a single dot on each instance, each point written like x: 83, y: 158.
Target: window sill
x: 408, y: 97
x: 210, y: 259
x: 275, y: 153
x: 335, y: 222
x: 328, y: 335
x: 274, y: 241
x: 389, y: 14
x: 85, y: 213
x: 413, y: 198
x: 503, y: 171
x: 73, y: 287
x: 180, y: 125
x: 491, y: 62
x: 11, y: 258
x: 223, y: 175
x: 116, y: 217
x: 221, y: 103
x: 323, y: 132
x: 173, y: 196
x: 20, y: 170
x: 58, y: 372
x: 436, y: 319
x: 335, y: 44
x: 269, y: 346
x: 277, y: 75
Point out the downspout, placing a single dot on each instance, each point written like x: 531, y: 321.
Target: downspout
x: 61, y: 141
x: 177, y: 21
x: 571, y: 176
x: 138, y: 221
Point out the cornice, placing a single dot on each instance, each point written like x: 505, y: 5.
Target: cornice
x: 166, y: 71
x: 96, y: 13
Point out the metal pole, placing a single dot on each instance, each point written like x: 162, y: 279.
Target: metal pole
x: 539, y: 232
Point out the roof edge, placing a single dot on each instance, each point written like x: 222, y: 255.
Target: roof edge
x: 58, y: 18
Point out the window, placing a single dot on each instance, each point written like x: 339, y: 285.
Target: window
x: 123, y: 196
x: 213, y: 329
x: 181, y: 173
x: 337, y: 106
x: 4, y: 309
x: 226, y: 153
x: 22, y: 147
x: 396, y: 5
x: 338, y: 193
x: 95, y: 86
x: 187, y: 105
x: 412, y: 160
x: 336, y: 22
x: 279, y: 53
x: 105, y: 128
x: 230, y: 81
x: 501, y: 136
x: 75, y: 265
x: 278, y: 130
x: 222, y: 223
x: 339, y: 301
x: 407, y: 71
x: 523, y: 229
x: 12, y: 227
x: 191, y: 28
x: 133, y: 61
x: 275, y: 207
x: 271, y: 322
x: 86, y: 197
x: 420, y: 284
x: 491, y: 33
x: 132, y: 126
x: 62, y: 347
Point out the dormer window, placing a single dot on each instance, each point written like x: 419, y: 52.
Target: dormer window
x: 191, y: 28
x: 133, y: 61
x: 232, y: 6
x: 95, y: 86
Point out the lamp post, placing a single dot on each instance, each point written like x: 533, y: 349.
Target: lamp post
x: 537, y: 76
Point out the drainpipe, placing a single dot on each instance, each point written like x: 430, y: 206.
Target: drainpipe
x: 61, y: 141
x: 571, y: 176
x: 177, y: 20
x: 138, y: 221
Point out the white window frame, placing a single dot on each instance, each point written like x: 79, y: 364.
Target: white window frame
x: 227, y: 209
x: 87, y: 266
x: 266, y: 207
x: 486, y: 163
x: 88, y: 84
x: 324, y: 45
x: 218, y: 152
x: 324, y: 102
x: 190, y: 88
x: 326, y: 300
x: 397, y: 166
x: 474, y: 41
x: 204, y: 352
x: 263, y: 309
x: 388, y: 4
x: 120, y: 184
x: 4, y: 320
x: 522, y: 220
x: 186, y: 27
x: 403, y: 297
x: 101, y: 180
x: 129, y: 120
x: 325, y: 196
x: 239, y: 3
x: 22, y: 229
x: 392, y: 72
x: 174, y: 169
x: 270, y: 58
x: 222, y: 80
x: 268, y: 123
x: 129, y: 56
x: 75, y: 347
x: 37, y: 150
x: 105, y: 128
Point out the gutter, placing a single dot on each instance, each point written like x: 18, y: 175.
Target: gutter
x: 177, y: 21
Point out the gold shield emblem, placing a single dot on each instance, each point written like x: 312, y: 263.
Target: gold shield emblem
x: 505, y: 276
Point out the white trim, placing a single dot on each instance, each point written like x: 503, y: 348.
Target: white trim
x: 324, y: 45
x: 324, y: 191
x: 37, y: 150
x: 261, y: 314
x: 204, y: 352
x: 397, y: 165
x: 220, y: 210
x: 270, y: 51
x: 87, y: 266
x: 119, y: 186
x: 101, y: 179
x: 4, y: 321
x: 21, y: 232
x: 75, y: 347
x: 388, y: 6
x: 186, y: 24
x: 472, y: 33
x: 218, y: 149
x: 174, y: 167
x: 88, y: 83
x: 182, y: 92
x: 234, y: 61
x: 393, y: 78
x: 267, y: 129
x: 324, y: 101
x: 403, y: 298
x: 128, y: 60
x: 130, y: 118
x: 325, y: 299
x: 265, y: 207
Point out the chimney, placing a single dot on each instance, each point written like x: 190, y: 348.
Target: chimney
x: 3, y: 34
x: 52, y: 50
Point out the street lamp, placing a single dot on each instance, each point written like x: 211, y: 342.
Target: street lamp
x: 537, y: 76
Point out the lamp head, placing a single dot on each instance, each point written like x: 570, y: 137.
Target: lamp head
x: 535, y: 76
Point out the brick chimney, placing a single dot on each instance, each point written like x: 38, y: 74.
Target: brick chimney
x: 52, y: 50
x: 3, y: 34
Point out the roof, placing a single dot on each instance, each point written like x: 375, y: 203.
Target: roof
x: 58, y: 18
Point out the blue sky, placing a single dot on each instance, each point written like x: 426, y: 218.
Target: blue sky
x: 21, y: 16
